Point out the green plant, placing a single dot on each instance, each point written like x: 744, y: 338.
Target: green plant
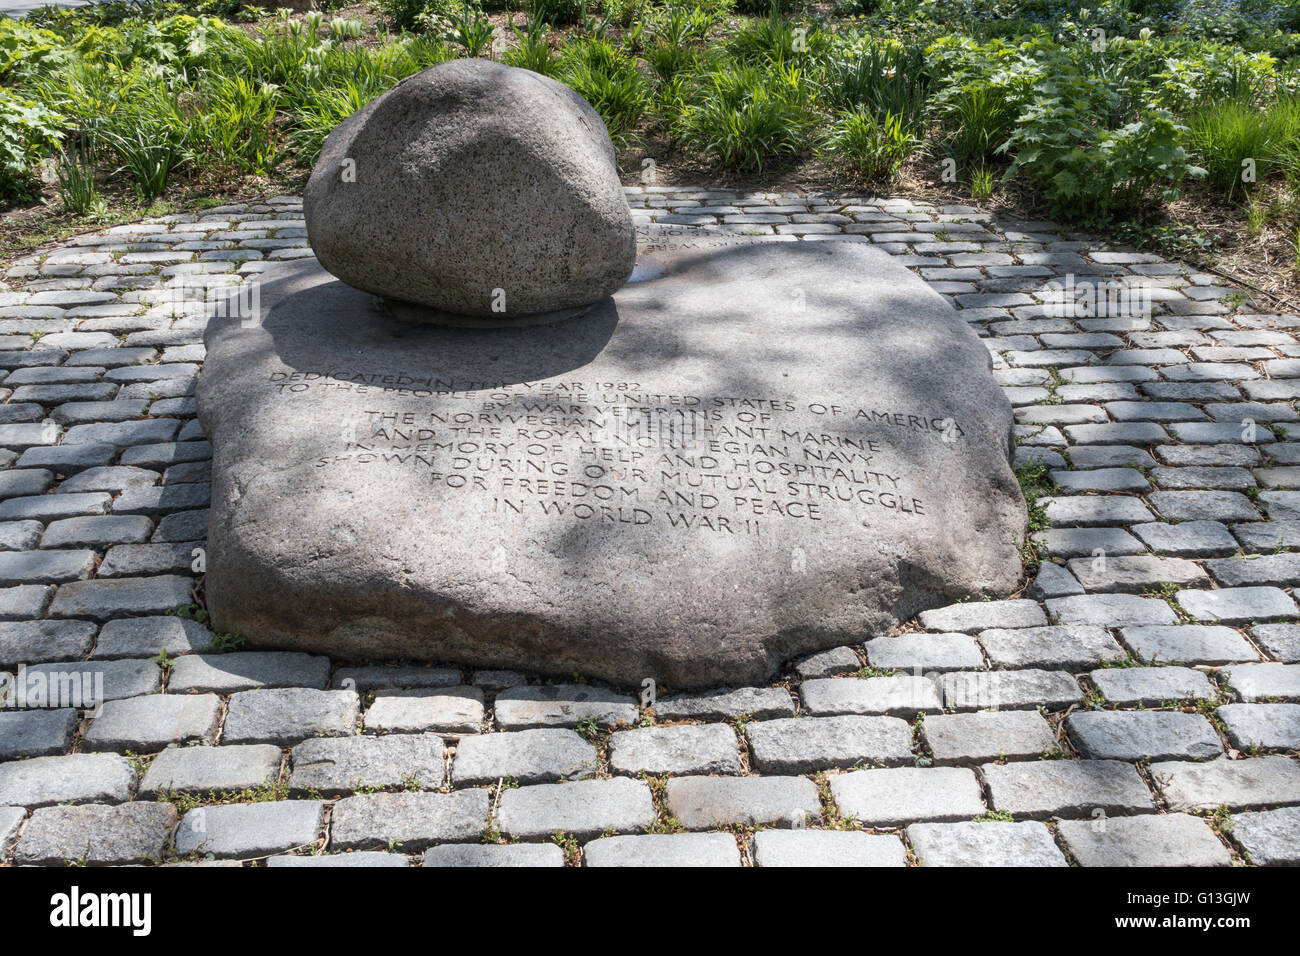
x: 885, y: 80
x: 625, y: 13
x: 1238, y: 144
x: 534, y: 51
x: 471, y: 30
x: 776, y: 39
x: 28, y: 132
x: 75, y: 173
x: 745, y: 118
x: 869, y: 147
x: 1211, y: 74
x: 675, y: 37
x: 402, y: 14
x: 319, y: 112
x: 758, y: 8
x: 1098, y: 174
x: 148, y: 132
x: 225, y: 643
x: 607, y: 78
x: 682, y: 23
x: 977, y: 122
x: 1035, y: 482
x: 558, y: 13
x: 26, y: 50
x: 236, y: 127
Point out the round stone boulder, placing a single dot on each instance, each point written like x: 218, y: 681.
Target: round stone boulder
x: 477, y: 189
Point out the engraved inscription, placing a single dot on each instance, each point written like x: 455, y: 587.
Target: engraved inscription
x: 619, y: 452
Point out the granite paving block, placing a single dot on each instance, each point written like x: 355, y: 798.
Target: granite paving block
x: 899, y: 796
x: 845, y: 848
x: 984, y: 843
x: 1167, y: 839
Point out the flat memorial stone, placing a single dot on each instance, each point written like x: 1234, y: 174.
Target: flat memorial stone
x: 751, y: 452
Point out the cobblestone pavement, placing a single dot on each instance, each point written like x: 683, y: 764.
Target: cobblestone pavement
x: 1146, y: 686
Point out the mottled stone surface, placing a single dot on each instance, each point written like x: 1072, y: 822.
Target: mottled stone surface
x: 468, y: 177
x: 827, y: 848
x: 970, y: 739
x: 1251, y: 783
x: 986, y: 843
x: 335, y: 766
x: 229, y: 768
x: 542, y: 755
x: 494, y: 855
x: 808, y: 744
x: 1170, y: 839
x: 149, y: 723
x: 585, y: 808
x: 700, y: 803
x: 104, y: 835
x: 1271, y: 837
x: 889, y: 798
x: 249, y: 830
x: 622, y: 558
x: 1067, y: 788
x: 376, y: 821
x: 664, y: 849
x: 684, y: 749
x: 78, y: 778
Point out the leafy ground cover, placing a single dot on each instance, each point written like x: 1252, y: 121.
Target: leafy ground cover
x: 1168, y: 123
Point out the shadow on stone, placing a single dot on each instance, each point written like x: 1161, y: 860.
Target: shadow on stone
x: 765, y: 450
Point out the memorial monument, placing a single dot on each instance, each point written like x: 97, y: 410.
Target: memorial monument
x: 751, y: 451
